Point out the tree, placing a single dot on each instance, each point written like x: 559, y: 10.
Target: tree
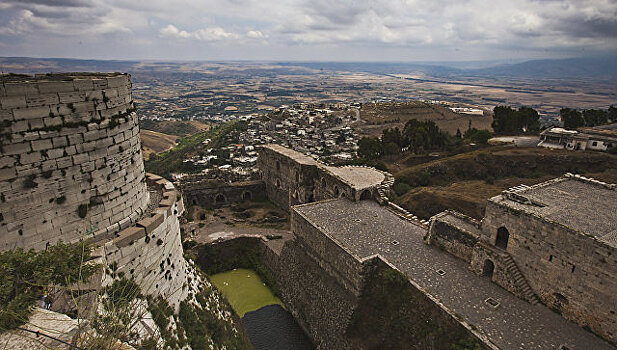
x: 26, y: 274
x: 595, y: 117
x: 370, y: 148
x: 612, y: 114
x: 478, y: 136
x: 571, y: 118
x: 529, y: 119
x: 510, y: 121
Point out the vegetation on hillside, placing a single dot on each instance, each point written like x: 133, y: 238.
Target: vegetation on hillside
x: 27, y: 275
x: 573, y: 118
x: 507, y: 120
x: 465, y: 181
x: 173, y: 127
x: 417, y: 137
x: 170, y: 161
x: 389, y: 313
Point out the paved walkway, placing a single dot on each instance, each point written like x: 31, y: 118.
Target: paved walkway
x: 367, y: 229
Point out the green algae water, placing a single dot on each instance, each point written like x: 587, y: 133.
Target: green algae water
x: 244, y: 290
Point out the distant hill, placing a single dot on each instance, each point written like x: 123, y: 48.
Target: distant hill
x: 590, y: 67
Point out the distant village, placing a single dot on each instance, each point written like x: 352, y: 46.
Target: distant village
x: 320, y: 131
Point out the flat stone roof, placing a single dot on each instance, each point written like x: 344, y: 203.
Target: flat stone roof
x: 295, y: 155
x: 587, y: 207
x: 358, y: 177
x: 367, y: 229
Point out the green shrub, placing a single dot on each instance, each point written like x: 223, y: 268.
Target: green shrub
x: 401, y: 188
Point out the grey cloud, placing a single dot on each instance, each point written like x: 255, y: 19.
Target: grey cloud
x: 51, y: 3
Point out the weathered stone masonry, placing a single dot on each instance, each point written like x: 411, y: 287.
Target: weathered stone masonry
x: 70, y: 158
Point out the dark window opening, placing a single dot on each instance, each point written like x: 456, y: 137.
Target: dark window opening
x: 502, y: 238
x: 220, y: 198
x: 336, y: 191
x: 297, y: 176
x: 550, y: 258
x: 489, y: 268
x: 278, y: 183
x: 194, y: 201
x: 366, y: 194
x: 573, y: 268
x: 247, y: 196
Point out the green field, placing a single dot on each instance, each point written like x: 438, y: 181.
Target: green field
x: 244, y: 290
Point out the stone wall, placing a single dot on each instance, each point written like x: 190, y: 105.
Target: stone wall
x: 70, y: 158
x: 455, y: 233
x: 292, y: 178
x: 151, y: 251
x: 215, y: 194
x: 570, y: 272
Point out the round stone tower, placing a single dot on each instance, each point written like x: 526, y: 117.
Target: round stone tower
x: 70, y: 158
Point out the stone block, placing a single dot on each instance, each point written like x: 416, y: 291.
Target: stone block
x: 36, y: 123
x: 60, y: 141
x: 117, y: 81
x: 17, y: 148
x: 19, y: 126
x: 39, y: 145
x: 21, y: 89
x: 7, y: 174
x: 167, y: 202
x: 41, y: 100
x: 99, y: 83
x: 83, y: 84
x: 55, y: 121
x: 75, y: 139
x: 71, y: 97
x: 30, y: 158
x: 151, y: 223
x: 6, y: 115
x: 13, y: 102
x: 128, y: 235
x: 46, y: 87
x: 6, y: 161
x: 31, y: 113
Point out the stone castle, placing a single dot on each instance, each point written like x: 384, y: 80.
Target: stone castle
x: 71, y: 168
x: 541, y: 258
x: 538, y: 267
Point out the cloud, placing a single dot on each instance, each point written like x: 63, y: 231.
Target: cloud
x: 432, y: 29
x: 208, y: 34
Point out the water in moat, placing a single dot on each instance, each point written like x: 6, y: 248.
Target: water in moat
x: 267, y: 323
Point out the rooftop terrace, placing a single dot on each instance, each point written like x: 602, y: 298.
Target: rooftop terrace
x: 366, y: 229
x: 583, y: 205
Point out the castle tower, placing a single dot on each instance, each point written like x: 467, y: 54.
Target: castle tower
x: 70, y: 158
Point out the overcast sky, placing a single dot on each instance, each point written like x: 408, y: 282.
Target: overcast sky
x: 347, y: 30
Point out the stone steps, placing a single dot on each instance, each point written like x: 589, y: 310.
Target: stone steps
x: 520, y: 281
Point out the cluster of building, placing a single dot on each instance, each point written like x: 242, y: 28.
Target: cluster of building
x: 320, y: 131
x: 595, y: 139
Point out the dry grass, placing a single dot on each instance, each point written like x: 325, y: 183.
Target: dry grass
x: 156, y: 142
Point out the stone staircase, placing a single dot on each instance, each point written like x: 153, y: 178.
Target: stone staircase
x: 520, y: 282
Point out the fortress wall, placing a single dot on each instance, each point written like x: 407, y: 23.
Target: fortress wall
x: 454, y: 233
x: 290, y: 181
x: 151, y: 251
x: 70, y: 158
x: 210, y: 194
x: 570, y: 272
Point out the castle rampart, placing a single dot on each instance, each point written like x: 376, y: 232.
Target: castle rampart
x: 70, y: 158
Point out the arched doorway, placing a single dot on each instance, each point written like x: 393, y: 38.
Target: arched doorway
x: 366, y: 194
x: 220, y: 198
x: 488, y: 269
x: 246, y: 196
x: 336, y: 192
x: 502, y: 238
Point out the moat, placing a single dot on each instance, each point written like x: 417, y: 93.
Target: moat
x: 267, y: 323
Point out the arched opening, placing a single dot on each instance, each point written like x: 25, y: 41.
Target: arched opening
x: 502, y: 238
x: 366, y: 194
x: 336, y: 192
x: 278, y: 166
x: 488, y: 269
x: 194, y: 201
x: 219, y: 198
x: 343, y: 195
x: 247, y: 196
x: 278, y: 183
